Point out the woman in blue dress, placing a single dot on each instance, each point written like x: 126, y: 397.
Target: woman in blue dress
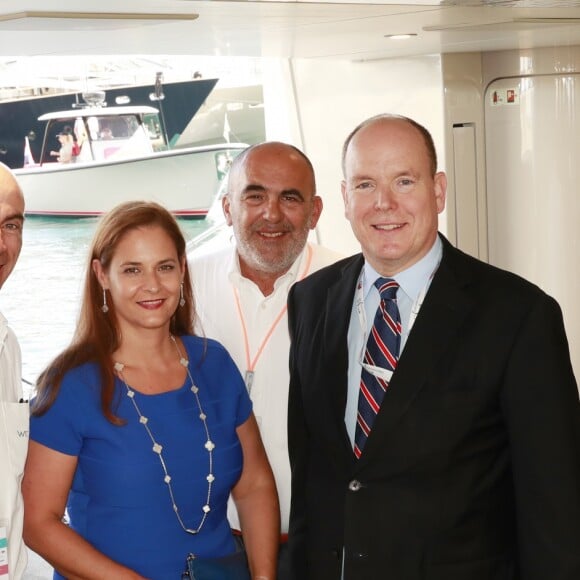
x: 140, y: 429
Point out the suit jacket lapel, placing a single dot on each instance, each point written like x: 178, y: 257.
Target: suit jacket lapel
x: 339, y: 303
x: 445, y: 307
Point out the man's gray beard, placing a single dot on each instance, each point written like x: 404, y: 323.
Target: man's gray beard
x: 260, y: 263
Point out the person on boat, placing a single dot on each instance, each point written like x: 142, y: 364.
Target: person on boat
x: 67, y: 146
x: 141, y: 429
x: 106, y: 133
x: 13, y: 410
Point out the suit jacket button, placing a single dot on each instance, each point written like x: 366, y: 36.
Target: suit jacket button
x: 354, y: 485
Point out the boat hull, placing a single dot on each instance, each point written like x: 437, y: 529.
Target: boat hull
x: 185, y: 181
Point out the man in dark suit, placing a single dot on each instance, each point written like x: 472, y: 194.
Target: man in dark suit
x: 471, y: 468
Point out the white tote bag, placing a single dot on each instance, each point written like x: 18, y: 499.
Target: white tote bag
x: 14, y: 422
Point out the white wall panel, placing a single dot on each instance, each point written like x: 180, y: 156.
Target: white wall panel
x: 315, y: 103
x: 466, y: 217
x: 533, y: 176
x: 466, y: 194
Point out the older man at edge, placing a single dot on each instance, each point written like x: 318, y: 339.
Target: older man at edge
x: 13, y: 411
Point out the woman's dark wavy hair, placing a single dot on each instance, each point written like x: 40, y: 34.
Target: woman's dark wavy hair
x: 97, y: 334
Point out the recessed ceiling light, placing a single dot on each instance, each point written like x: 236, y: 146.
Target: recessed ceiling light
x: 401, y: 36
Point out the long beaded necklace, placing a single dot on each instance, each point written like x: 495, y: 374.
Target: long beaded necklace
x: 158, y: 448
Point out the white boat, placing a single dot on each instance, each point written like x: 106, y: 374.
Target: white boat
x: 120, y: 155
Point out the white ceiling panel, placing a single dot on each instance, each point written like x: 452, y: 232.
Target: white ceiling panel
x: 353, y: 30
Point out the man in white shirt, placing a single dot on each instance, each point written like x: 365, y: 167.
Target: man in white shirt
x: 241, y: 290
x: 13, y: 412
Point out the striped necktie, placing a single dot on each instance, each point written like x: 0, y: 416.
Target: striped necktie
x: 382, y: 351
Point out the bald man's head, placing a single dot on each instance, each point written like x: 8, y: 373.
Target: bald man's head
x: 11, y: 222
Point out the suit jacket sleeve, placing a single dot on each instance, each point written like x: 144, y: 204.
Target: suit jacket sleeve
x: 542, y: 412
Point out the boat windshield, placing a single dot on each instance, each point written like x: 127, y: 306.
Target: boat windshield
x: 108, y: 137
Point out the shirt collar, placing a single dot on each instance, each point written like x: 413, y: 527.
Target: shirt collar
x: 413, y: 279
x: 236, y: 278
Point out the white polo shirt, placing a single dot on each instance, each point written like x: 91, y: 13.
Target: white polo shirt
x: 261, y: 322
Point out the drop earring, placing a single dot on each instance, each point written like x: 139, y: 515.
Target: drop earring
x: 104, y: 307
x: 181, y: 299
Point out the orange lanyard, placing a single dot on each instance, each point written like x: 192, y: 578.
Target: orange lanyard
x: 251, y: 363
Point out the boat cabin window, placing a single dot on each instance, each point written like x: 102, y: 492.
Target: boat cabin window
x: 153, y: 128
x: 108, y: 137
x: 112, y: 127
x: 117, y: 137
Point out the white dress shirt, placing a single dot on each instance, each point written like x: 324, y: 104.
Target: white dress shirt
x: 13, y: 448
x: 413, y: 285
x: 217, y: 280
